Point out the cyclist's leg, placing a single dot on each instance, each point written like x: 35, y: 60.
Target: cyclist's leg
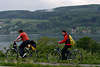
x: 68, y: 51
x: 21, y: 48
x: 63, y: 52
x: 24, y: 45
x: 68, y: 46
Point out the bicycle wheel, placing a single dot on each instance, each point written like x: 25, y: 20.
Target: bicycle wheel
x: 11, y: 53
x: 76, y: 56
x: 53, y: 56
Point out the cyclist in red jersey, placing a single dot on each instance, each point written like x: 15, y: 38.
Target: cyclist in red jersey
x: 67, y: 44
x: 25, y: 41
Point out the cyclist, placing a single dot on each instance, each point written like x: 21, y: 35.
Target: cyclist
x: 66, y: 46
x: 25, y: 41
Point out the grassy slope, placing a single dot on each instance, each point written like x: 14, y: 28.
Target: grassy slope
x: 78, y: 17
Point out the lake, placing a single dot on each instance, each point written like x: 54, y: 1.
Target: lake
x: 6, y: 40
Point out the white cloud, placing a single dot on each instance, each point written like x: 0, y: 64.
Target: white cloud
x: 71, y: 2
x: 82, y: 2
x: 41, y: 4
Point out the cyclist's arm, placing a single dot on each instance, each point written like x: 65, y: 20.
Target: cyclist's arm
x: 19, y: 38
x: 63, y: 41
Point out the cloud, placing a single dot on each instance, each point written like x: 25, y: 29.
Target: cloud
x: 82, y: 2
x: 41, y: 4
x: 71, y: 2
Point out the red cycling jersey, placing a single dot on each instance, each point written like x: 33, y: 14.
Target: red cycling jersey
x: 65, y: 40
x: 24, y: 36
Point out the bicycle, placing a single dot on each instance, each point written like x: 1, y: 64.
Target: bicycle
x: 74, y: 55
x: 13, y: 51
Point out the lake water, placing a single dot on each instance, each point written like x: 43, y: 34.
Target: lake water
x: 5, y: 40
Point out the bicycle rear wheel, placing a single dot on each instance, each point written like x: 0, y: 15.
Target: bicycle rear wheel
x: 76, y: 56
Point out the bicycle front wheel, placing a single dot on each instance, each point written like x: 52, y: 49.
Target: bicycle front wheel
x: 12, y: 53
x: 54, y: 56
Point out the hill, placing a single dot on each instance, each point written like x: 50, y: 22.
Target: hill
x: 76, y: 19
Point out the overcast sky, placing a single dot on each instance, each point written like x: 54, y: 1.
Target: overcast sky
x: 41, y: 4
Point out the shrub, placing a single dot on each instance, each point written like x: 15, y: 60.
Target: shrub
x: 88, y: 44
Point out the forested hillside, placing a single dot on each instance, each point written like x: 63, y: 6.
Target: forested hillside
x: 76, y: 19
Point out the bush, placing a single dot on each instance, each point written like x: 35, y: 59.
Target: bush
x: 88, y: 44
x: 45, y: 43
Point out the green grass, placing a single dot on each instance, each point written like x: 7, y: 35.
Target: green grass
x: 7, y: 64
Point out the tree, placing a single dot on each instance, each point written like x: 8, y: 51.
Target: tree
x: 88, y: 44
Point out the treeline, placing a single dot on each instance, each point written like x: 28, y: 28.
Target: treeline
x: 70, y: 12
